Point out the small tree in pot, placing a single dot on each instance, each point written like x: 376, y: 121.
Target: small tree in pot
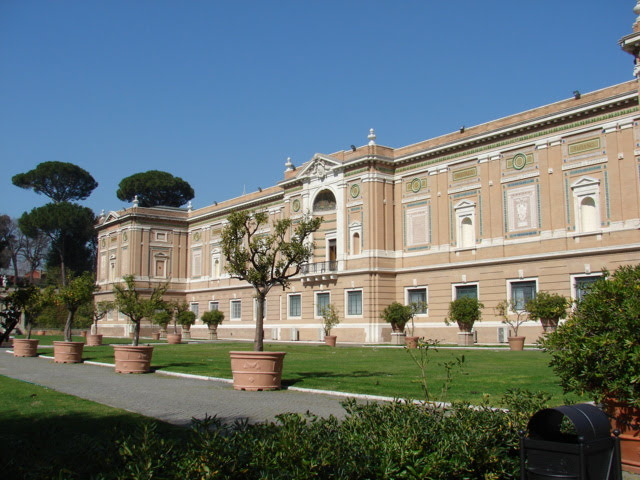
x: 329, y: 320
x: 465, y: 311
x: 162, y: 318
x: 265, y: 255
x: 597, y: 352
x: 504, y: 309
x: 212, y: 319
x: 399, y: 315
x: 549, y: 308
x: 131, y: 303
x: 186, y: 319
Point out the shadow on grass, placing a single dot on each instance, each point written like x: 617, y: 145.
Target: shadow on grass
x: 74, y: 445
x: 301, y: 376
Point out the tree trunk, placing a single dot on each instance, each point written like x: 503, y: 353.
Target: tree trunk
x: 258, y: 343
x: 67, y: 326
x: 136, y: 334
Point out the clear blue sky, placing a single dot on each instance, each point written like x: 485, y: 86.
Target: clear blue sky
x: 220, y: 93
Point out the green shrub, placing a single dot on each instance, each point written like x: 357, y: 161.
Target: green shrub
x: 162, y: 318
x: 212, y: 318
x: 547, y: 306
x: 597, y: 350
x: 464, y: 311
x: 186, y: 318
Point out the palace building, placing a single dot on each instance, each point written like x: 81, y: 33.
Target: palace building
x: 540, y: 200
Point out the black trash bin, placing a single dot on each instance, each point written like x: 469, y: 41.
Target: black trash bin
x: 582, y: 449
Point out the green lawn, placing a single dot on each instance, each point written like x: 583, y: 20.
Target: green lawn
x: 45, y: 431
x: 369, y: 370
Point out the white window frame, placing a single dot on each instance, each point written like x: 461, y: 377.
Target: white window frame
x: 454, y: 289
x: 315, y: 302
x: 232, y: 302
x: 426, y: 296
x: 346, y: 303
x: 195, y: 310
x: 519, y: 280
x: 463, y: 210
x: 161, y: 236
x: 586, y: 187
x: 212, y: 303
x: 196, y: 253
x: 574, y: 277
x: 289, y: 315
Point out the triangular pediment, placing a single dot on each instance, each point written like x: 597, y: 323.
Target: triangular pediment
x: 111, y: 216
x: 465, y: 204
x: 584, y: 182
x: 319, y: 166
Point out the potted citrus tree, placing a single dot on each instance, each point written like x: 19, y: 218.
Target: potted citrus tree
x: 596, y: 353
x: 465, y: 311
x: 549, y: 308
x: 186, y: 319
x: 264, y: 260
x: 129, y: 300
x: 329, y: 320
x: 399, y: 315
x: 73, y: 295
x: 30, y: 301
x: 514, y: 318
x: 212, y: 319
x: 177, y: 310
x: 99, y: 310
x: 162, y: 318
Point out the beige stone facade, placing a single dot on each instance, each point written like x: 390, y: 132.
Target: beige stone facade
x: 541, y: 200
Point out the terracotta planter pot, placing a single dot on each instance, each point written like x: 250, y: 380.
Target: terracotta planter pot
x: 23, y: 347
x: 130, y: 359
x: 186, y: 333
x: 155, y: 336
x: 174, y: 338
x: 67, y: 352
x: 83, y: 333
x: 94, y: 340
x: 465, y: 339
x: 624, y: 418
x: 411, y: 342
x: 330, y: 340
x: 41, y: 332
x: 256, y: 370
x: 516, y: 343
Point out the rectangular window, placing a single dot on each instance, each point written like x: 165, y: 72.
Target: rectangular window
x: 354, y: 302
x: 582, y: 285
x: 522, y: 292
x: 213, y: 306
x: 196, y: 263
x: 236, y: 309
x: 295, y: 305
x: 322, y: 300
x: 419, y: 296
x: 470, y: 291
x: 195, y: 308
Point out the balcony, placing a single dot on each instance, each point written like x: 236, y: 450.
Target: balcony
x: 315, y: 272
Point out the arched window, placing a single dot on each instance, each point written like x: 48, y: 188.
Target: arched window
x: 324, y: 201
x: 466, y: 233
x: 356, y: 243
x: 588, y: 215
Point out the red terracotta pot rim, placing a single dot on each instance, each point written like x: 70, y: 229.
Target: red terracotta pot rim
x: 139, y: 347
x: 251, y: 353
x: 62, y: 342
x: 26, y: 339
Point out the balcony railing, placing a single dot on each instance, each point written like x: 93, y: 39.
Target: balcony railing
x: 319, y: 267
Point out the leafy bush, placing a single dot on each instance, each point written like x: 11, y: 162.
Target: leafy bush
x: 329, y: 318
x: 547, y: 306
x: 186, y: 318
x: 465, y: 311
x: 597, y: 350
x: 162, y: 318
x: 212, y: 318
x: 375, y: 441
x: 398, y: 315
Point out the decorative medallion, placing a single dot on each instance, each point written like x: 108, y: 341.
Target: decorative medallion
x: 295, y: 206
x: 196, y: 236
x: 125, y: 237
x: 416, y: 185
x: 103, y: 243
x: 355, y: 190
x: 519, y: 161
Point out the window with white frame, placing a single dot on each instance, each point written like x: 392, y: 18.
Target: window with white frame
x: 236, y: 309
x: 195, y: 308
x: 354, y: 302
x: 417, y: 295
x: 417, y: 225
x: 465, y: 224
x: 521, y: 291
x: 214, y: 306
x: 580, y: 284
x: 586, y: 204
x: 295, y: 305
x: 323, y: 299
x: 466, y: 290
